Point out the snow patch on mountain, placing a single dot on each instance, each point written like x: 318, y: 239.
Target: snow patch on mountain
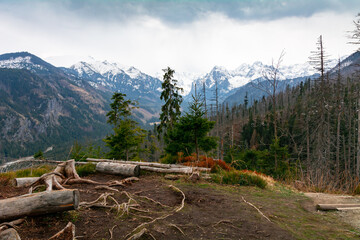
x: 20, y: 63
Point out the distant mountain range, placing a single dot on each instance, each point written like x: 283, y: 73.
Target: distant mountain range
x: 42, y: 105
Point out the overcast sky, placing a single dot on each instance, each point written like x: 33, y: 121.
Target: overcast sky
x: 188, y: 35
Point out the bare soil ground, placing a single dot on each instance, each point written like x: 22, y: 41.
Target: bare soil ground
x: 211, y: 211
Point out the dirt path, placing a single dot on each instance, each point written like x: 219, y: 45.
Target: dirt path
x: 351, y: 217
x: 211, y: 211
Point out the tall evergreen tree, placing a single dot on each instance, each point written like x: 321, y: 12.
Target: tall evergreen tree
x: 170, y: 111
x: 190, y: 132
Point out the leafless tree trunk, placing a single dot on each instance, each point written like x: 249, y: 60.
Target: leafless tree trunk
x: 270, y: 86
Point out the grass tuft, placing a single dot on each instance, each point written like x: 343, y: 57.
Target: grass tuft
x: 85, y: 170
x: 7, y: 177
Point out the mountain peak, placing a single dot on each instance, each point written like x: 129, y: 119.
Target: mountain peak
x: 219, y: 69
x: 25, y: 60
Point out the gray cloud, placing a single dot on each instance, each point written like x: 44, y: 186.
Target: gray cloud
x: 184, y: 11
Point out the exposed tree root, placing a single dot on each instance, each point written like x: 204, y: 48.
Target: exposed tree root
x: 64, y: 173
x: 177, y: 209
x: 262, y: 214
x: 183, y: 195
x: 81, y: 180
x: 122, y: 182
x: 111, y: 231
x: 178, y: 228
x: 67, y: 233
x: 50, y: 180
x: 154, y: 201
x: 101, y: 200
x: 107, y: 188
x: 231, y: 224
x: 11, y: 224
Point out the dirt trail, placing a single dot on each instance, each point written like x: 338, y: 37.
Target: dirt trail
x: 351, y: 217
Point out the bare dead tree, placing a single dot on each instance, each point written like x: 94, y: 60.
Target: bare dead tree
x: 355, y: 34
x: 204, y: 92
x: 269, y: 85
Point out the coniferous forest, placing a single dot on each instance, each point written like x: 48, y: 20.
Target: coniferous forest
x: 308, y: 135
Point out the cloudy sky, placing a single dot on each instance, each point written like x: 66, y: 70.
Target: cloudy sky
x: 188, y: 35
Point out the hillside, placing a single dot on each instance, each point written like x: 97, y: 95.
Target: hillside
x: 210, y: 211
x: 42, y: 107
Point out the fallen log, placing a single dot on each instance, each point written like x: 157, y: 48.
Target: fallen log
x: 128, y: 170
x: 38, y: 204
x: 9, y: 234
x: 337, y: 207
x: 186, y: 170
x: 68, y: 233
x: 149, y: 164
x: 25, y: 181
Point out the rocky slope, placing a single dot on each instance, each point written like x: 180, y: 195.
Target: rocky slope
x: 41, y: 106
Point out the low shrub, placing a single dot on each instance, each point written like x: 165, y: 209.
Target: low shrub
x: 204, y: 161
x: 87, y: 169
x: 237, y: 177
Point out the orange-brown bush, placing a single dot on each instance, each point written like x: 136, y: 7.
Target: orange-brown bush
x: 269, y: 180
x: 204, y: 161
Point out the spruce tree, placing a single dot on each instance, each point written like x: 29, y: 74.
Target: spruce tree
x: 170, y: 111
x: 127, y: 136
x: 190, y: 132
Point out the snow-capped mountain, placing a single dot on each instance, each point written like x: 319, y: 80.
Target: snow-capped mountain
x: 230, y: 81
x: 25, y: 60
x: 113, y: 77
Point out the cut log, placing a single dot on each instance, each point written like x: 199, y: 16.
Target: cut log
x: 9, y: 234
x: 128, y: 170
x: 25, y: 181
x: 337, y: 207
x: 38, y: 204
x: 68, y: 233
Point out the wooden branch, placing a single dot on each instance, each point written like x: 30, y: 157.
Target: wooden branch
x: 256, y: 209
x: 38, y: 204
